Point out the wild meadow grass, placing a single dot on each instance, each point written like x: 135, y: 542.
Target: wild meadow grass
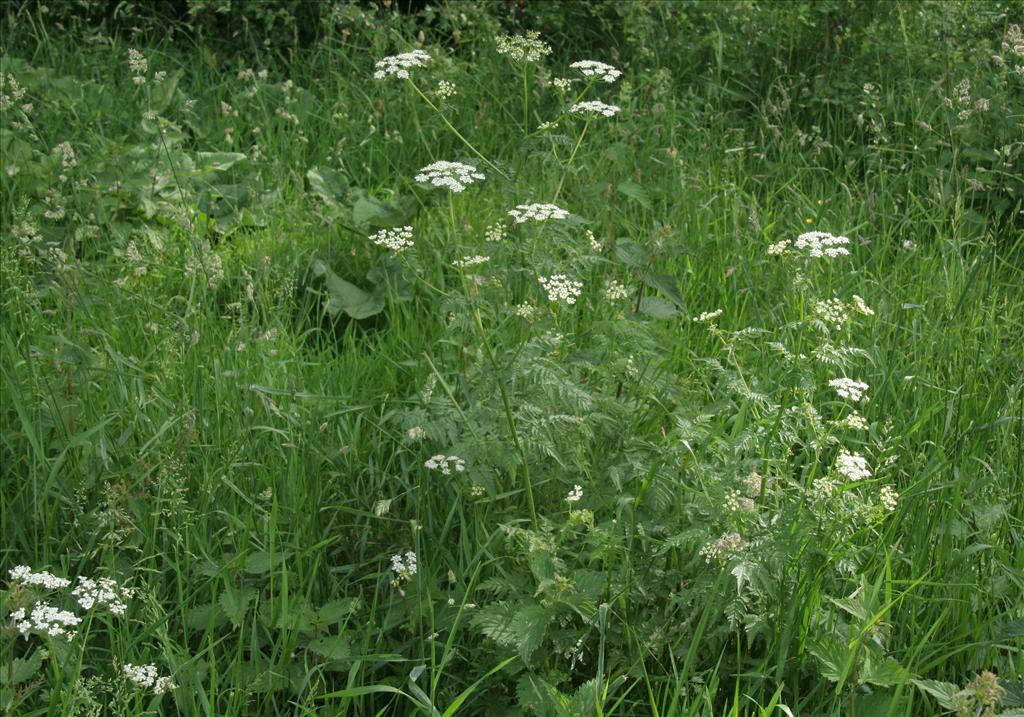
x: 484, y: 371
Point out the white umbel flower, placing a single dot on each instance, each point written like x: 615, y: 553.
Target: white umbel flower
x: 708, y: 316
x: 852, y: 466
x: 536, y: 213
x: 561, y: 288
x: 848, y: 388
x: 23, y: 575
x: 399, y: 65
x: 595, y: 107
x: 397, y: 239
x: 593, y: 68
x: 575, y: 495
x: 455, y: 176
x: 102, y: 592
x: 468, y: 261
x: 45, y: 619
x: 146, y: 676
x: 445, y: 464
x: 522, y: 48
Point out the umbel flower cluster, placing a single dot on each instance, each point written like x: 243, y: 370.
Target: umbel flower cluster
x: 595, y: 107
x: 397, y: 239
x: 456, y: 176
x: 399, y: 65
x: 522, y: 48
x: 593, y: 68
x: 536, y: 212
x: 812, y: 244
x: 46, y: 619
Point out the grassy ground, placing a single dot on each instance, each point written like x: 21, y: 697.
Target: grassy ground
x: 220, y: 392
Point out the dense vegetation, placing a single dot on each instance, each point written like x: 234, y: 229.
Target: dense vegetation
x: 686, y: 381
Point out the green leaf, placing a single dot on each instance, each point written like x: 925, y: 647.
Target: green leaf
x: 530, y: 624
x: 631, y: 253
x: 234, y: 601
x: 347, y: 297
x: 536, y: 696
x: 202, y: 617
x: 495, y: 621
x: 882, y: 671
x: 942, y: 691
x: 21, y: 670
x: 658, y: 308
x: 587, y: 699
x: 336, y: 647
x: 368, y: 211
x: 207, y: 162
x: 634, y: 191
x: 667, y: 286
x: 162, y: 94
x: 261, y: 562
x: 328, y: 184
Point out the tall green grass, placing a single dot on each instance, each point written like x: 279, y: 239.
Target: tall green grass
x: 192, y: 405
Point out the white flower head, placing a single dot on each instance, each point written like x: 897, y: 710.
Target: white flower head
x: 537, y: 213
x: 399, y: 65
x: 445, y: 464
x: 404, y: 567
x: 852, y: 466
x: 888, y: 498
x: 45, y: 619
x: 593, y: 68
x: 615, y: 291
x: 23, y: 575
x: 848, y: 388
x: 397, y: 239
x: 456, y: 176
x: 522, y: 48
x: 595, y: 107
x: 102, y: 592
x: 708, y: 316
x: 561, y: 288
x: 575, y: 495
x: 812, y: 244
x: 146, y: 676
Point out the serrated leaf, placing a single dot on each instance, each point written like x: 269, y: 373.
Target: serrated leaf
x: 335, y: 611
x: 530, y: 624
x: 217, y: 161
x: 631, y: 253
x: 336, y: 647
x: 586, y: 699
x: 942, y: 691
x: 666, y: 285
x: 234, y: 601
x: 882, y: 671
x: 346, y: 296
x: 369, y: 211
x: 262, y: 562
x: 634, y: 191
x: 658, y: 308
x: 495, y: 621
x: 202, y: 617
x: 536, y: 696
x: 21, y: 670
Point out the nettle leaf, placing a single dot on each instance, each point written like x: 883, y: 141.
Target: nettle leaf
x: 234, y: 601
x: 262, y: 562
x: 207, y: 162
x: 346, y: 296
x: 634, y: 191
x: 495, y: 621
x: 666, y: 285
x: 536, y: 696
x: 587, y: 698
x: 658, y: 308
x: 21, y: 670
x: 943, y: 692
x: 336, y: 647
x: 530, y: 624
x: 369, y: 211
x: 631, y: 253
x: 882, y: 671
x: 202, y: 617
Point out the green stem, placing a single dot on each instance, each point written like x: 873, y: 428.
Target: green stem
x: 526, y: 100
x: 572, y: 156
x: 456, y: 132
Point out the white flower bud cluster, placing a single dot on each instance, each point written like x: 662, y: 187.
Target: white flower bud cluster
x: 456, y: 176
x: 852, y: 466
x: 146, y: 676
x: 537, y: 213
x: 561, y: 288
x: 444, y: 463
x: 399, y: 65
x: 468, y: 261
x: 520, y: 48
x: 615, y: 291
x: 397, y: 239
x: 595, y: 107
x: 575, y: 495
x: 708, y: 316
x: 848, y: 388
x: 593, y: 68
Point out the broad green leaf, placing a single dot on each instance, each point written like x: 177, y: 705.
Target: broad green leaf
x: 202, y: 617
x: 536, y: 696
x: 942, y: 691
x: 658, y: 308
x: 336, y: 647
x: 234, y: 601
x: 217, y: 161
x: 634, y: 191
x: 369, y: 211
x: 882, y: 671
x: 495, y: 621
x: 667, y: 286
x: 530, y: 625
x: 261, y: 562
x: 631, y: 253
x: 328, y: 184
x: 22, y: 670
x: 347, y: 297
